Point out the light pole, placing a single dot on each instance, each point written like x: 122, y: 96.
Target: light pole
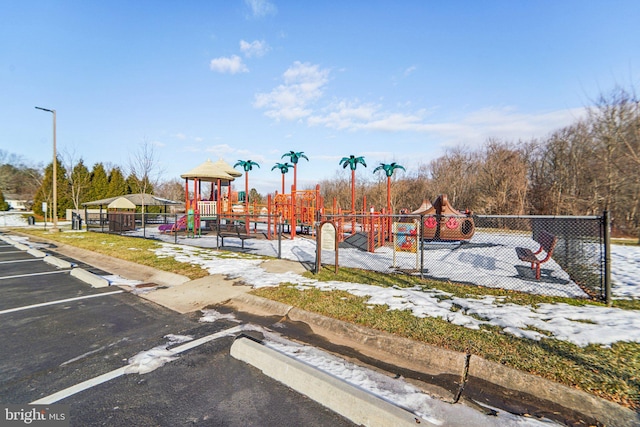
x: 54, y: 212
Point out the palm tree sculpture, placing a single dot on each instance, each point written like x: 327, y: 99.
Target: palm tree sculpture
x: 284, y: 168
x: 247, y: 165
x: 353, y: 161
x: 388, y: 170
x: 294, y: 157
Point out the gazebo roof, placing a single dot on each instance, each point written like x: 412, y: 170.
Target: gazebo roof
x: 209, y: 171
x: 121, y: 203
x: 227, y: 168
x: 136, y: 199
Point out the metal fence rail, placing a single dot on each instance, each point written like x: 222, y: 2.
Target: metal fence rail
x: 485, y: 256
x: 483, y: 250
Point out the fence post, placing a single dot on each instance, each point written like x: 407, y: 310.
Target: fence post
x: 606, y: 219
x: 421, y: 246
x: 280, y: 224
x: 175, y: 228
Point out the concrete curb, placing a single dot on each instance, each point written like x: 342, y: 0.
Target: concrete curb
x: 36, y: 253
x: 20, y: 246
x: 351, y: 402
x: 433, y: 360
x: 60, y: 263
x: 86, y: 276
x: 261, y: 306
x: 123, y: 268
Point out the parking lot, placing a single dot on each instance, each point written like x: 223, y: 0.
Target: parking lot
x: 65, y: 342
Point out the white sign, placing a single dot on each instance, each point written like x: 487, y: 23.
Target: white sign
x: 328, y: 236
x: 44, y: 206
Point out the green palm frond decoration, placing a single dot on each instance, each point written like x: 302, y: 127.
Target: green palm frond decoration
x: 389, y: 168
x: 352, y: 161
x: 247, y: 165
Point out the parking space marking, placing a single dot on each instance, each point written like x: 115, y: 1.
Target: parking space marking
x: 85, y: 385
x: 33, y: 274
x: 11, y: 252
x: 21, y: 260
x: 61, y: 301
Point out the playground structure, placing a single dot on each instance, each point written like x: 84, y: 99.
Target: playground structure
x: 443, y: 222
x: 210, y: 202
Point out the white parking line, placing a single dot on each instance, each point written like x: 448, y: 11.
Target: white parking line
x: 20, y: 260
x: 85, y: 385
x: 60, y: 301
x: 11, y: 252
x: 34, y: 274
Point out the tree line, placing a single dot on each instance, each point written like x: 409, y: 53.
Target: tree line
x: 75, y: 183
x: 585, y: 168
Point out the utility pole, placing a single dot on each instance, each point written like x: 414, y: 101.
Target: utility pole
x: 54, y: 212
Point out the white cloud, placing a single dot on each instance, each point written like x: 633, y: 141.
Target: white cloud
x: 181, y: 136
x: 261, y: 8
x: 474, y: 128
x: 220, y: 150
x: 409, y: 70
x: 303, y: 84
x: 231, y: 65
x: 505, y: 123
x: 256, y: 48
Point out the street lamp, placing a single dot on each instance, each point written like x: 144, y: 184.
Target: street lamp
x: 54, y: 212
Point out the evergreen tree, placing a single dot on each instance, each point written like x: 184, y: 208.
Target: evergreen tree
x: 133, y: 186
x: 256, y: 197
x: 45, y: 192
x: 99, y: 183
x: 4, y: 206
x: 117, y: 184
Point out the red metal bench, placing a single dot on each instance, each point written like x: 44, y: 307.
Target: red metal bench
x: 547, y: 244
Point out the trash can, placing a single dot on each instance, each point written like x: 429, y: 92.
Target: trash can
x: 76, y: 222
x: 31, y: 220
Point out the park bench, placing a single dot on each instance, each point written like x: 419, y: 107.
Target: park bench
x: 547, y: 243
x: 232, y: 230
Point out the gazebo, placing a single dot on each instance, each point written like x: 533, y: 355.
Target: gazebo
x: 219, y: 174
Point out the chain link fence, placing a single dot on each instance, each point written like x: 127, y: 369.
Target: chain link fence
x: 550, y: 255
x: 188, y: 229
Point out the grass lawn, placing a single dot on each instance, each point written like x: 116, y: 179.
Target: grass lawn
x: 609, y: 372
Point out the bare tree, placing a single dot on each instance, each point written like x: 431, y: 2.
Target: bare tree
x: 502, y: 179
x: 455, y: 174
x: 79, y: 177
x: 143, y: 167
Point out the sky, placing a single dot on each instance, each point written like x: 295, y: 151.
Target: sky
x: 254, y: 79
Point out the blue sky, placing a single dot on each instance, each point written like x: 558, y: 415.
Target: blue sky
x: 390, y: 81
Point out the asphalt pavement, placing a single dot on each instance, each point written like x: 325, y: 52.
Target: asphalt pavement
x: 65, y: 342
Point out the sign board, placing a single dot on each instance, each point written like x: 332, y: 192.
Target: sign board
x: 44, y: 206
x: 328, y: 236
x: 406, y: 236
x: 405, y: 239
x: 326, y: 239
